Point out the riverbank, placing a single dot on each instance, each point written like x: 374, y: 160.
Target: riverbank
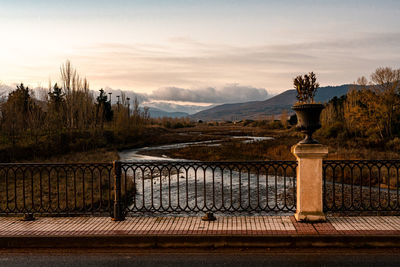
x: 232, y: 149
x: 276, y: 146
x: 154, y: 137
x: 218, y: 142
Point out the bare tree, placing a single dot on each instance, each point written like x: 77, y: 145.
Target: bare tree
x: 80, y: 111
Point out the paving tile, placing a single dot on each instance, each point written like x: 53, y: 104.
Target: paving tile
x: 230, y: 225
x: 365, y: 223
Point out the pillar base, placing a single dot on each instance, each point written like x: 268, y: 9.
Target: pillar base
x: 310, y: 217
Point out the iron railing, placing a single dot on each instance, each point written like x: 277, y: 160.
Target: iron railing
x: 361, y: 185
x: 175, y: 187
x: 56, y: 189
x: 130, y: 188
x: 125, y: 188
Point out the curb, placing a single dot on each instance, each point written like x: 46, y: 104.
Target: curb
x: 197, y: 241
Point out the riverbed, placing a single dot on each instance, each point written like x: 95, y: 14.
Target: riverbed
x: 136, y: 155
x: 183, y: 187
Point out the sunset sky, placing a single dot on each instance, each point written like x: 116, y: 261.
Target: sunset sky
x: 184, y: 49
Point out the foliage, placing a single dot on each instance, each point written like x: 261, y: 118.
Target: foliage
x: 293, y: 119
x: 306, y: 87
x: 69, y: 118
x: 104, y: 111
x: 20, y: 114
x: 173, y: 123
x: 370, y: 110
x: 268, y: 124
x: 56, y: 97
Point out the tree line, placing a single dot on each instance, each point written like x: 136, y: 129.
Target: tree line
x: 68, y: 118
x: 369, y: 114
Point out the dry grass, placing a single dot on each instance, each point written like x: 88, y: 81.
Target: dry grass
x: 277, y: 149
x: 343, y: 153
x: 232, y: 150
x: 98, y: 155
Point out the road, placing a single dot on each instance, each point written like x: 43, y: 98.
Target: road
x: 219, y: 257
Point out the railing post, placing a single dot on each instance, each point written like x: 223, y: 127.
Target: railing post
x: 309, y: 181
x: 118, y: 206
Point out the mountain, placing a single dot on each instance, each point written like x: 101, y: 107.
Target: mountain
x: 272, y: 106
x: 158, y: 113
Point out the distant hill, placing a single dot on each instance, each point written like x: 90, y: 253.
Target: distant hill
x: 271, y: 106
x: 158, y: 113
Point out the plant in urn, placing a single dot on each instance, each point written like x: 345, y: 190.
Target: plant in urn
x: 308, y: 112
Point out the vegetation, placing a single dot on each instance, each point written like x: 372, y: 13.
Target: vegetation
x: 369, y: 115
x: 67, y: 119
x: 70, y: 124
x: 232, y: 150
x: 306, y: 87
x: 172, y: 123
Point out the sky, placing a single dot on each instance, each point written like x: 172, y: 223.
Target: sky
x: 197, y: 52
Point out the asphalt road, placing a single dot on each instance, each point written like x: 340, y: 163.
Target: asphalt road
x: 252, y: 258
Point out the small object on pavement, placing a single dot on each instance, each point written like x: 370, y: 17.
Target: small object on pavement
x: 28, y: 217
x: 208, y: 217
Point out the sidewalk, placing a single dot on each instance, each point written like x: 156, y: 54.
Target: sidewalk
x: 242, y: 231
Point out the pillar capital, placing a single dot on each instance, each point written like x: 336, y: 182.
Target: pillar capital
x: 310, y: 151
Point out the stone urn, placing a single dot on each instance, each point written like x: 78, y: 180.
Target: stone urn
x: 308, y: 120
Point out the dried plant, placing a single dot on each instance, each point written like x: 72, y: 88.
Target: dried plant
x: 306, y: 87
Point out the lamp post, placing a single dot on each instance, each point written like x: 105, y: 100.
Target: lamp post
x: 128, y: 106
x: 118, y: 102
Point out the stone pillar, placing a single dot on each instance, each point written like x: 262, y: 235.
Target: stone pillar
x: 309, y: 181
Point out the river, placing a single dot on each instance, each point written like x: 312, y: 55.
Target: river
x: 183, y: 188
x: 134, y: 155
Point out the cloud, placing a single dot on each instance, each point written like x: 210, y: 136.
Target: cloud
x: 184, y: 63
x: 191, y: 100
x: 186, y: 70
x: 228, y: 94
x: 174, y: 99
x: 173, y: 107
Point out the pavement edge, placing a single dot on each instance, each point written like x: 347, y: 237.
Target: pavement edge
x: 201, y: 241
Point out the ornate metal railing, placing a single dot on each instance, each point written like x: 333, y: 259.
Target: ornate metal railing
x: 125, y: 188
x: 56, y: 189
x: 165, y: 187
x: 361, y: 185
x: 129, y: 188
